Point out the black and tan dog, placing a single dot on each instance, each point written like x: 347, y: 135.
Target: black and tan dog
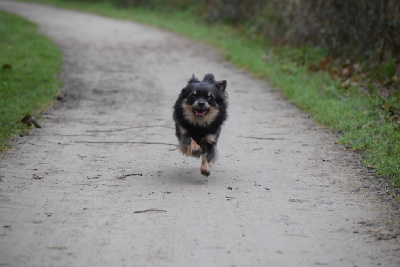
x: 199, y: 113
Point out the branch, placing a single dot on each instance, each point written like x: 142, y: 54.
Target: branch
x: 149, y: 210
x: 130, y: 174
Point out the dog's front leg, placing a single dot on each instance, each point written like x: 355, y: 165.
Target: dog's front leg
x: 187, y: 145
x: 193, y: 149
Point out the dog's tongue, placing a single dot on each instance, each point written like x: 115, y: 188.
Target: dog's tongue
x: 200, y: 113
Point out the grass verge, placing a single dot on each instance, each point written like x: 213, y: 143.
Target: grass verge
x: 29, y: 63
x: 358, y: 117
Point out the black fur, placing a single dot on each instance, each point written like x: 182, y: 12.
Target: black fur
x: 199, y: 113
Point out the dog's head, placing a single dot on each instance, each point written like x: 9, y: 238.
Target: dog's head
x: 202, y: 101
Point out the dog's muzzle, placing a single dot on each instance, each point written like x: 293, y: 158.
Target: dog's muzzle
x: 200, y: 108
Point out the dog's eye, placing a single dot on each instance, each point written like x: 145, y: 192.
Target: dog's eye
x: 210, y: 98
x: 192, y: 97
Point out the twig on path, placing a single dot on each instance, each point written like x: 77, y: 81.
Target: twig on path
x: 129, y: 174
x: 149, y: 210
x: 128, y: 128
x: 124, y: 142
x: 262, y: 138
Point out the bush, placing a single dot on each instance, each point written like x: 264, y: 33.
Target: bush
x: 352, y: 28
x: 156, y: 4
x: 234, y: 12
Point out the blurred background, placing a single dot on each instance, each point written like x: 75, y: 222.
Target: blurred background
x: 354, y: 28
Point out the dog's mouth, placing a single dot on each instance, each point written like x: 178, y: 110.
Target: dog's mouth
x: 200, y: 112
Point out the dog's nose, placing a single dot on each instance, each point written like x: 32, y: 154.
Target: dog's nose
x: 201, y: 104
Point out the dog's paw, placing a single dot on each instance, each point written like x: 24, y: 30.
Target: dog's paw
x: 205, y: 172
x: 195, y: 149
x: 205, y: 167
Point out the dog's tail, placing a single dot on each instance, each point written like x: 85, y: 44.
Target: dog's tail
x: 209, y: 78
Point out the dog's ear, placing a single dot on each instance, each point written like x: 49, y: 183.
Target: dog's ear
x: 209, y: 78
x: 185, y: 91
x: 193, y: 79
x: 221, y: 85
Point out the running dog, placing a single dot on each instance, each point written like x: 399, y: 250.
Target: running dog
x: 199, y: 113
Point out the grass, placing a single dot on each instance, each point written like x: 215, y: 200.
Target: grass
x: 360, y: 118
x: 29, y: 63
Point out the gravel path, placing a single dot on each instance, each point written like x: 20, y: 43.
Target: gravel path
x: 103, y: 184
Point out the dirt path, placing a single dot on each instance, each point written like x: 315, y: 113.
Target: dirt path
x: 281, y: 194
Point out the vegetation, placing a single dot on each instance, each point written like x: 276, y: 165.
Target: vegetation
x: 28, y: 66
x: 339, y: 91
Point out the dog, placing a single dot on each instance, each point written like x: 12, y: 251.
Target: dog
x: 199, y: 113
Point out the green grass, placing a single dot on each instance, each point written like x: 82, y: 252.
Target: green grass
x: 29, y: 63
x: 360, y: 118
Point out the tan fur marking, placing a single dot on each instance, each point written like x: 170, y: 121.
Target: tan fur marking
x: 184, y: 150
x: 183, y: 130
x: 210, y: 138
x: 211, y: 114
x: 209, y: 118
